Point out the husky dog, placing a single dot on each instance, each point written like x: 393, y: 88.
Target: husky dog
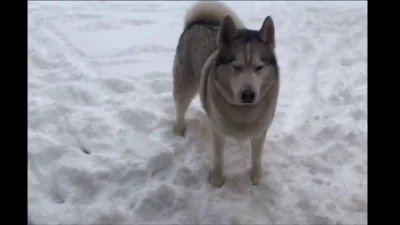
x: 236, y: 73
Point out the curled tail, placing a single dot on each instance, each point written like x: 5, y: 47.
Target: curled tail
x: 210, y: 12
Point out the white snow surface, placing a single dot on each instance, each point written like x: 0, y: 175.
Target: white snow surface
x: 100, y: 144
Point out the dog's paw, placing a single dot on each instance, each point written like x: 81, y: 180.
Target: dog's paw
x: 216, y: 179
x: 255, y: 175
x: 180, y: 129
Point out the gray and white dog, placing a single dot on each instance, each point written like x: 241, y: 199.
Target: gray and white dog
x: 236, y: 73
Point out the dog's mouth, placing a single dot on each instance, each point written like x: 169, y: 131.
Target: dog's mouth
x: 249, y: 98
x: 246, y: 103
x: 244, y: 99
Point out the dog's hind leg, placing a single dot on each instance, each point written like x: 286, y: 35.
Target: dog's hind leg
x: 185, y: 87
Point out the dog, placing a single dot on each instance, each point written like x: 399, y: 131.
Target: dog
x: 236, y: 73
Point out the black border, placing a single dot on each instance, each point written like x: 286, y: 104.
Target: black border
x: 22, y: 7
x: 370, y: 39
x: 370, y: 47
x: 381, y: 146
x: 15, y: 109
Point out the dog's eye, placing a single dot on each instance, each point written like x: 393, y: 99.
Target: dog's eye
x: 258, y: 68
x: 236, y: 67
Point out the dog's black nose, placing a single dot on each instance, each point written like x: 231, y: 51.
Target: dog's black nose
x: 248, y: 96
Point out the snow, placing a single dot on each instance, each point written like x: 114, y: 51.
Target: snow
x: 100, y: 111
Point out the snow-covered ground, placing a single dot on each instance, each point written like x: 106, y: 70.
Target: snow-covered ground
x: 101, y: 147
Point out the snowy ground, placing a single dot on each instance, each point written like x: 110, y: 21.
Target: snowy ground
x: 101, y: 146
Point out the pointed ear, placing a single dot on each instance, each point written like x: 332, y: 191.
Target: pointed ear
x: 267, y: 32
x: 227, y: 31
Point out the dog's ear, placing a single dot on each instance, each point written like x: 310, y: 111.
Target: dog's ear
x: 227, y: 31
x: 267, y: 32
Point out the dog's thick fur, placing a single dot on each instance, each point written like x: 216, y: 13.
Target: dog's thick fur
x: 236, y: 73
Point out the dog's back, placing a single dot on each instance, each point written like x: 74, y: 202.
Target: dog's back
x: 199, y: 37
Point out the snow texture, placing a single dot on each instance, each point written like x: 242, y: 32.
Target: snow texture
x: 100, y: 144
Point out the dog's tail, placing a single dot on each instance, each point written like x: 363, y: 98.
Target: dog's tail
x: 210, y: 12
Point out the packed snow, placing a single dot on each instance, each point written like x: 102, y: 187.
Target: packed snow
x: 101, y: 149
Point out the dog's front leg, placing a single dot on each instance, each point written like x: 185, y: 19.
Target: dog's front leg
x: 217, y: 177
x: 257, y: 147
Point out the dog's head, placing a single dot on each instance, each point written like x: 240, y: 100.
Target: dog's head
x: 246, y: 66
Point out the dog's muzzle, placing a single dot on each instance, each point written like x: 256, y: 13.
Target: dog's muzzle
x: 248, y: 96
